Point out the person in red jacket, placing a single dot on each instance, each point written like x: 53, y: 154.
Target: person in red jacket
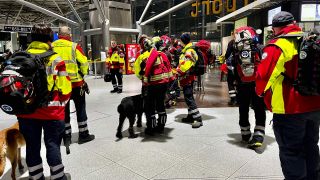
x: 296, y: 118
x: 157, y: 75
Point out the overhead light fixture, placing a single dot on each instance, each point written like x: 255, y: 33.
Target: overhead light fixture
x: 174, y: 15
x: 152, y: 12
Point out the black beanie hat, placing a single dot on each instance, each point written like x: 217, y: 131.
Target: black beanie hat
x: 281, y: 19
x: 185, y: 38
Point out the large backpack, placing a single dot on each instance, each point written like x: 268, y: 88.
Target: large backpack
x: 307, y: 82
x: 199, y: 68
x: 246, y: 54
x: 23, y: 83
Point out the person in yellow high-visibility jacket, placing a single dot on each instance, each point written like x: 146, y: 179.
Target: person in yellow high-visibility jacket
x: 115, y: 64
x: 77, y: 66
x: 48, y: 119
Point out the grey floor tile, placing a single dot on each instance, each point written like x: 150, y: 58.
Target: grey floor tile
x: 149, y: 163
x: 113, y: 172
x: 223, y: 158
x: 186, y: 170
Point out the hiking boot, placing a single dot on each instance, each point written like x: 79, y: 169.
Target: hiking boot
x: 83, y: 138
x: 197, y: 124
x: 114, y: 90
x: 160, y: 129
x: 246, y: 138
x: 67, y: 176
x: 149, y: 131
x: 255, y: 142
x: 119, y: 91
x: 187, y: 119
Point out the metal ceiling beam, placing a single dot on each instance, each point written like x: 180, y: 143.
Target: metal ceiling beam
x: 145, y: 11
x: 47, y: 12
x: 173, y: 9
x: 75, y: 12
x: 17, y: 15
x: 97, y: 31
x: 242, y: 10
x: 58, y: 7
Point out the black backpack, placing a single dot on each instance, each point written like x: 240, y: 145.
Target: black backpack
x: 199, y: 68
x: 23, y: 83
x: 308, y: 78
x: 307, y: 82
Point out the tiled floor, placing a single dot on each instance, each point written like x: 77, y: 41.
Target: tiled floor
x: 212, y: 152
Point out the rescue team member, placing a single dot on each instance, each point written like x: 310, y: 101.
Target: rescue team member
x: 155, y: 73
x: 296, y: 118
x: 50, y: 119
x: 187, y: 61
x: 77, y: 66
x: 230, y: 76
x: 115, y: 63
x: 247, y: 58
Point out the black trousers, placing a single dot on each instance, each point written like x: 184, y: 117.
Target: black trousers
x: 297, y: 136
x: 53, y: 133
x: 116, y: 76
x: 193, y: 111
x: 80, y: 105
x: 247, y: 96
x: 154, y: 102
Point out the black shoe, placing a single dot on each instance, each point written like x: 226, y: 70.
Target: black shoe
x: 160, y: 129
x: 187, y: 119
x: 119, y: 91
x: 255, y: 142
x: 85, y: 138
x: 114, y: 90
x: 246, y: 138
x: 149, y: 131
x: 197, y: 124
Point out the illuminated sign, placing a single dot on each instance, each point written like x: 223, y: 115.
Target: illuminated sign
x: 215, y: 6
x: 17, y: 29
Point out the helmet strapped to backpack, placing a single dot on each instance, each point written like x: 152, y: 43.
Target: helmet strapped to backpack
x: 23, y: 83
x: 246, y: 52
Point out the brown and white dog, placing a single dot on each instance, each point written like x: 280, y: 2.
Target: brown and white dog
x: 11, y: 141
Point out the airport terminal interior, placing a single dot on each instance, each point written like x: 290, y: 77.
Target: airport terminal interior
x: 214, y: 150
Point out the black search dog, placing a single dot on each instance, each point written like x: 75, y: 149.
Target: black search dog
x: 130, y: 107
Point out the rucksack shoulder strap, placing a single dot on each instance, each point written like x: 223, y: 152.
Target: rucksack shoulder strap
x: 299, y: 35
x: 46, y: 54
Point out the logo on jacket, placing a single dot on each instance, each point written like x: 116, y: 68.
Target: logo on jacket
x: 264, y: 55
x: 245, y: 54
x: 6, y: 108
x: 303, y: 55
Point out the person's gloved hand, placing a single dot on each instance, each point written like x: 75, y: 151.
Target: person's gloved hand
x: 121, y: 70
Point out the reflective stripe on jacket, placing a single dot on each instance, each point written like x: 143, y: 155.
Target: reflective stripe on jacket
x: 281, y: 56
x: 57, y: 76
x: 158, y: 69
x: 115, y: 59
x: 187, y: 60
x: 74, y: 59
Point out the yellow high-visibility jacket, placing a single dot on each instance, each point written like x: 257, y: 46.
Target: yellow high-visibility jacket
x: 58, y: 79
x: 137, y: 68
x: 187, y: 60
x: 115, y: 59
x: 74, y: 58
